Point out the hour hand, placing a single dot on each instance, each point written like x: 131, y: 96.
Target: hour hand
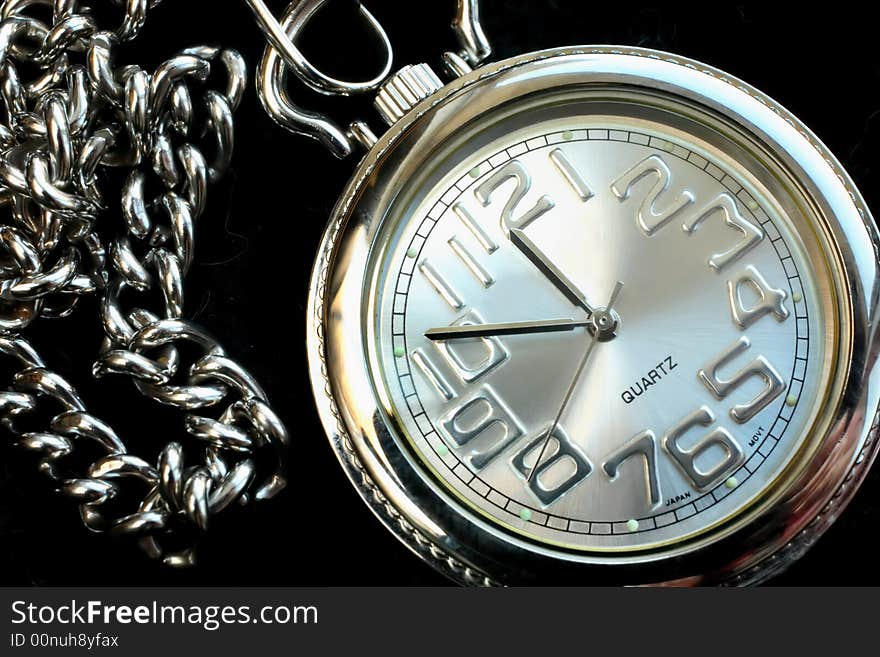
x: 551, y: 271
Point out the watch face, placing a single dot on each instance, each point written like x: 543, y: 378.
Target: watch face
x: 690, y: 404
x: 599, y: 309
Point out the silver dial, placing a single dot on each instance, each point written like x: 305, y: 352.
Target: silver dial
x: 701, y: 382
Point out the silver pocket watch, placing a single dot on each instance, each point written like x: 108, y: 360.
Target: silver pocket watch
x: 591, y: 314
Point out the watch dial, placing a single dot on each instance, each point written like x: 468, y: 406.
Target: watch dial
x: 569, y: 422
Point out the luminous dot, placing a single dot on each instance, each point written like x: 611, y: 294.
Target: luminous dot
x: 668, y: 146
x: 752, y: 204
x: 791, y: 400
x: 399, y: 352
x: 797, y: 297
x: 412, y: 252
x: 442, y: 449
x: 731, y: 483
x: 632, y: 524
x: 525, y: 514
x: 567, y: 135
x: 475, y: 172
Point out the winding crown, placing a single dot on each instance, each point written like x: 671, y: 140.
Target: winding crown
x: 405, y: 89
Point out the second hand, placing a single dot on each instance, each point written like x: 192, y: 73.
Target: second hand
x: 571, y: 388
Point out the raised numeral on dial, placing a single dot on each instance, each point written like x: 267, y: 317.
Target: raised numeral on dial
x: 441, y: 285
x: 562, y: 467
x: 773, y: 383
x: 770, y: 299
x: 725, y: 205
x: 432, y: 374
x: 484, y: 424
x: 467, y: 219
x: 473, y: 265
x: 516, y: 171
x: 473, y: 357
x: 644, y: 445
x: 703, y: 476
x: 650, y: 217
x: 571, y: 174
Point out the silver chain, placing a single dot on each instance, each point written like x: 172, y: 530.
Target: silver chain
x: 76, y: 115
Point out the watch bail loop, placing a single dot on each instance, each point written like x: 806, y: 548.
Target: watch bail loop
x: 282, y: 55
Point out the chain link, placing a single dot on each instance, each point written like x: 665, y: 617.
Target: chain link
x: 68, y: 113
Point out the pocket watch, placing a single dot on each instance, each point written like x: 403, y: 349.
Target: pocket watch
x: 588, y: 315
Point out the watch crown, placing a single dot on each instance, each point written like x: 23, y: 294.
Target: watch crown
x: 403, y: 90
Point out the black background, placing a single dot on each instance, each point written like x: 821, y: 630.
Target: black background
x: 257, y: 240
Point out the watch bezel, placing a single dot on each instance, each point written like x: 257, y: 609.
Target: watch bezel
x: 444, y: 532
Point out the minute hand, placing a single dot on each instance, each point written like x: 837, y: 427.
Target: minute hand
x: 562, y: 283
x: 505, y: 328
